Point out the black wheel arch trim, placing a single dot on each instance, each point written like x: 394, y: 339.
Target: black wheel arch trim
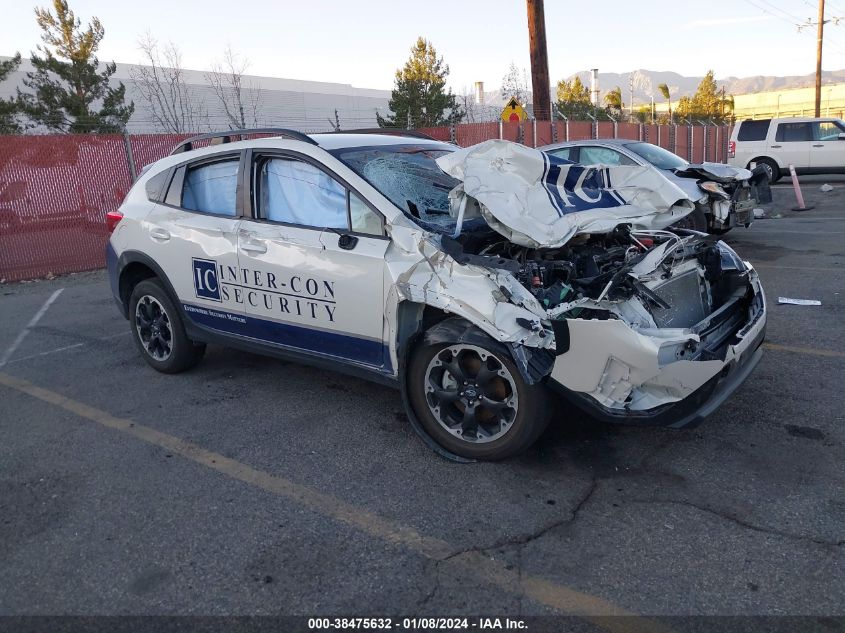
x: 127, y: 258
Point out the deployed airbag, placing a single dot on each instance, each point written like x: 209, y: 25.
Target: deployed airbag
x: 538, y: 200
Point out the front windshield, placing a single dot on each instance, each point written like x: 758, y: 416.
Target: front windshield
x: 657, y: 156
x: 409, y: 177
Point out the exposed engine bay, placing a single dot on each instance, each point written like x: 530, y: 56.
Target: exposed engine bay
x: 678, y: 279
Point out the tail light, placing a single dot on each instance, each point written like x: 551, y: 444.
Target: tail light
x: 113, y: 218
x: 731, y: 149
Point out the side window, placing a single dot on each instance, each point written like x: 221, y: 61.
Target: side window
x: 827, y: 131
x: 794, y: 132
x: 297, y: 192
x: 362, y: 218
x: 753, y: 130
x: 592, y: 155
x: 211, y: 187
x: 563, y: 152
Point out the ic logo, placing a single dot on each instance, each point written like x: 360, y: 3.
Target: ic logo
x: 205, y: 279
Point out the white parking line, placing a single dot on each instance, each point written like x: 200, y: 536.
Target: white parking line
x: 32, y: 323
x: 60, y: 349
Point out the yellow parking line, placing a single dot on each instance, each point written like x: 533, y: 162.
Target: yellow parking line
x: 541, y: 591
x: 776, y: 347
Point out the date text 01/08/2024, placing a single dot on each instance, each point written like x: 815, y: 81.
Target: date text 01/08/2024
x: 417, y: 624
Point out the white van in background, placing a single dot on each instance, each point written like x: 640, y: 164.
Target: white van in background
x: 813, y: 146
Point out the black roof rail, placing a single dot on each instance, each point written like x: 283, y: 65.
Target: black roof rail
x: 188, y: 144
x: 387, y: 130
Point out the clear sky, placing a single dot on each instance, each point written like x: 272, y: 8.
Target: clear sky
x: 363, y: 42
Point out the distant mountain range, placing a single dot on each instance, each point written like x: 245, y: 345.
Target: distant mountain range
x: 646, y: 82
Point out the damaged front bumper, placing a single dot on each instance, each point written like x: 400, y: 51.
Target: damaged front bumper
x: 624, y: 376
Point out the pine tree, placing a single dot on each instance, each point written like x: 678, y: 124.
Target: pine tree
x: 705, y: 101
x: 9, y: 107
x: 420, y: 98
x: 573, y: 99
x: 69, y: 92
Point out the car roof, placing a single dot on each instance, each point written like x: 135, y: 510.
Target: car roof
x: 592, y: 141
x: 333, y: 140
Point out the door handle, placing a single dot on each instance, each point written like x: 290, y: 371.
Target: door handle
x: 254, y: 247
x: 776, y: 146
x: 160, y: 234
x: 819, y: 145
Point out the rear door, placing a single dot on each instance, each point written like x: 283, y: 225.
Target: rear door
x: 312, y: 262
x: 193, y: 236
x: 793, y: 142
x: 828, y: 152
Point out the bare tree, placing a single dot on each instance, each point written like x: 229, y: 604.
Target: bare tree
x: 515, y: 84
x: 160, y: 81
x: 241, y: 100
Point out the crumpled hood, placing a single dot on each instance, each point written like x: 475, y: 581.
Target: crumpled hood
x: 538, y: 200
x: 717, y: 172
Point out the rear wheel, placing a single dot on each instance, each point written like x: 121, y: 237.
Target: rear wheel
x: 472, y: 400
x: 158, y: 331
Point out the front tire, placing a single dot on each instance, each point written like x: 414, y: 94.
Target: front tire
x: 472, y: 400
x: 158, y: 330
x: 771, y: 168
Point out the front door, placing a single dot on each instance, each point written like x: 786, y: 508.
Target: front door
x: 312, y: 263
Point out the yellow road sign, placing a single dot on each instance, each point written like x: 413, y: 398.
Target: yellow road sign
x: 513, y: 112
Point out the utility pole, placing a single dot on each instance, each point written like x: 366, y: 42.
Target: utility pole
x: 819, y: 39
x: 540, y: 84
x: 631, y: 104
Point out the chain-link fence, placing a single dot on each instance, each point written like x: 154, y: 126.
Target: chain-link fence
x: 55, y: 190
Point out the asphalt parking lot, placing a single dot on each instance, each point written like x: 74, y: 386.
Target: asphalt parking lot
x: 252, y: 486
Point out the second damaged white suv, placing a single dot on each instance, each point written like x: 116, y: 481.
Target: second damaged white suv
x: 477, y: 280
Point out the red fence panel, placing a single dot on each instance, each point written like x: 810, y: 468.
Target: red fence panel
x: 544, y: 133
x: 54, y: 193
x: 442, y: 133
x: 628, y: 130
x: 697, y: 155
x: 681, y: 141
x: 606, y: 129
x: 662, y: 136
x: 511, y: 131
x: 580, y: 130
x: 148, y: 148
x: 473, y: 133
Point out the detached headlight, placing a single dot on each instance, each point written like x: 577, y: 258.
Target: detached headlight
x: 714, y: 188
x: 730, y: 260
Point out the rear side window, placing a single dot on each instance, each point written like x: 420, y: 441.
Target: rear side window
x: 753, y: 130
x: 565, y: 153
x: 211, y: 188
x: 794, y: 132
x: 594, y: 155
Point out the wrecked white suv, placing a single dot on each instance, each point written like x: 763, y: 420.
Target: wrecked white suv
x: 479, y: 281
